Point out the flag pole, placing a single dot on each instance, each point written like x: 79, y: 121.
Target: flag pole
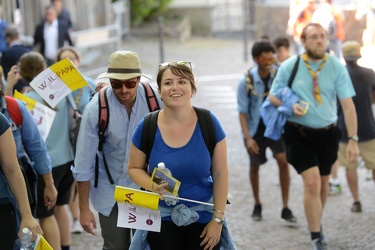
x: 165, y: 195
x: 184, y: 199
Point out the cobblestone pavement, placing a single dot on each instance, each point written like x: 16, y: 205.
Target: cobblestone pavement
x: 218, y: 64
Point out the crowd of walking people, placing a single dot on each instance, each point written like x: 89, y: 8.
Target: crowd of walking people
x: 305, y: 107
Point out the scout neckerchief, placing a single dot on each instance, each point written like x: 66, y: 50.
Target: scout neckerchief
x: 314, y: 75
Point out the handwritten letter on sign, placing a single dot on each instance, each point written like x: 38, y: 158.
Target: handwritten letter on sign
x: 57, y: 81
x: 131, y: 216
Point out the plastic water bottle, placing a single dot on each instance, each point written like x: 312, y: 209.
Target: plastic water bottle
x: 163, y: 168
x: 168, y: 200
x: 25, y: 239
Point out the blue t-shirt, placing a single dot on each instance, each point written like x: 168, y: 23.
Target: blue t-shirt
x: 190, y: 164
x: 333, y: 80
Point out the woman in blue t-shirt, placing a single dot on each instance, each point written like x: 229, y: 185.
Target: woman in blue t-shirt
x: 13, y: 194
x: 179, y: 143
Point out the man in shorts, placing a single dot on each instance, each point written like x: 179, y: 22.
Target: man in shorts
x: 364, y: 84
x: 311, y: 136
x: 252, y: 89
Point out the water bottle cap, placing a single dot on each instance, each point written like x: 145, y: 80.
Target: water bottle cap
x: 25, y: 230
x: 161, y: 165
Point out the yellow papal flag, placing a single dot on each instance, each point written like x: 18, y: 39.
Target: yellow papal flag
x: 137, y: 197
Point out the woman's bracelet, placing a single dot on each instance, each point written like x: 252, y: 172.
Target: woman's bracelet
x: 218, y: 211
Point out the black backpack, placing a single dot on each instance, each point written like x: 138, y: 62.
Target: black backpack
x: 204, y: 119
x: 153, y: 105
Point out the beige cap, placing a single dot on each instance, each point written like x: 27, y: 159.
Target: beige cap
x: 351, y: 50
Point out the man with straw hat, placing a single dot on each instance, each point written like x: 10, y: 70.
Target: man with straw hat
x: 127, y: 105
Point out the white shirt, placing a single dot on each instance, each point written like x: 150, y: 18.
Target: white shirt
x: 51, y: 43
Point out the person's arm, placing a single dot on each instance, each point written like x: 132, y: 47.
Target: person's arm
x: 50, y: 191
x: 36, y: 149
x: 12, y: 79
x: 298, y: 110
x: 13, y: 174
x: 251, y: 144
x: 350, y: 116
x: 87, y: 218
x: 84, y: 162
x: 243, y: 104
x: 211, y: 233
x: 138, y: 174
x: 68, y: 38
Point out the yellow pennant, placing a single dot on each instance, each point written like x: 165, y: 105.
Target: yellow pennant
x: 41, y: 243
x: 137, y: 197
x: 30, y: 103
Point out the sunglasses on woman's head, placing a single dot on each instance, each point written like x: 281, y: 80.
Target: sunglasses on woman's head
x: 186, y: 63
x: 117, y: 84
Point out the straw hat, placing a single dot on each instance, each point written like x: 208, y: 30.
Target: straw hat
x: 123, y: 65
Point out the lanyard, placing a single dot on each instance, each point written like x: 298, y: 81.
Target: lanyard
x: 314, y: 75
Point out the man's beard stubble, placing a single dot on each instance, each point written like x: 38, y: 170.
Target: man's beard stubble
x: 314, y: 55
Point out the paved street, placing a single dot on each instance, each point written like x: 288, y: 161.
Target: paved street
x: 218, y: 64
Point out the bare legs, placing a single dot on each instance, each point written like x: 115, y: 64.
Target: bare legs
x: 315, y: 196
x: 283, y: 176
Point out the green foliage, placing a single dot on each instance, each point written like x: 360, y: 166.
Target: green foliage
x: 145, y: 10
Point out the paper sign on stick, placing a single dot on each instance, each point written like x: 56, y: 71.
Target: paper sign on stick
x: 57, y: 81
x: 131, y: 216
x: 137, y: 197
x: 43, y: 115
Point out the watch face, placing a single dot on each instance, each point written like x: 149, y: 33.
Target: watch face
x: 354, y: 138
x: 218, y: 220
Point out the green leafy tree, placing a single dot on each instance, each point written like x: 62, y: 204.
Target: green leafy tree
x: 146, y: 10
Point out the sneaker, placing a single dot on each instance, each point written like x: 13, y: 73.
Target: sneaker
x: 287, y: 216
x: 257, y: 213
x: 357, y: 207
x: 334, y: 189
x: 318, y: 244
x: 76, y: 227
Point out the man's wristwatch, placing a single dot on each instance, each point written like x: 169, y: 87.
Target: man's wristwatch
x: 218, y: 220
x: 354, y: 138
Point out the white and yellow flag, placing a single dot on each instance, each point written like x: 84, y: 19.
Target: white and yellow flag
x: 43, y: 115
x: 57, y: 81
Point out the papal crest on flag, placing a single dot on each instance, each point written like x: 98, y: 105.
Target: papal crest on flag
x: 57, y: 81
